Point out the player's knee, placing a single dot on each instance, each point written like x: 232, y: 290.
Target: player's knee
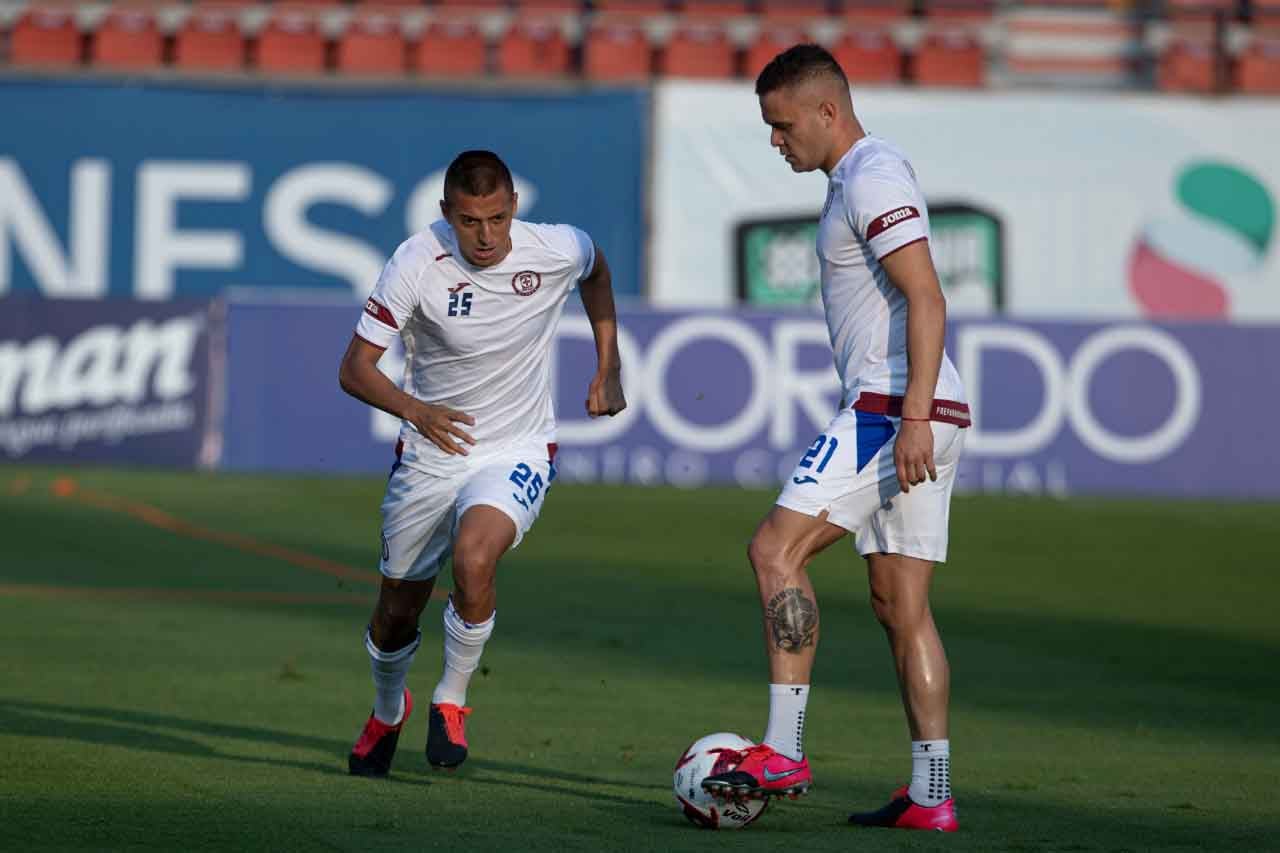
x: 473, y: 574
x: 765, y: 553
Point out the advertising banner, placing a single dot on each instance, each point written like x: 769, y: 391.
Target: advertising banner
x: 159, y: 191
x: 734, y: 398
x: 1044, y: 205
x: 122, y: 383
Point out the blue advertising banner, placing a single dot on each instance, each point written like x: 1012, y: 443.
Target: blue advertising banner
x: 122, y: 382
x: 160, y: 191
x: 733, y: 398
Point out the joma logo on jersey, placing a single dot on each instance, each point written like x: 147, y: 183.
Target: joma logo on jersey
x: 890, y: 219
x: 526, y: 282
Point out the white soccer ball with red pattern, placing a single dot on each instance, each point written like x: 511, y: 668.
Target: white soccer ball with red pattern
x: 707, y: 756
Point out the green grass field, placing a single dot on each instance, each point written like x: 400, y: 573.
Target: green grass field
x: 165, y: 686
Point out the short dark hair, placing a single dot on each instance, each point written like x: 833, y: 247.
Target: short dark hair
x: 477, y: 173
x: 798, y: 64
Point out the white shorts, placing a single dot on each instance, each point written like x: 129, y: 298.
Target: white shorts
x: 848, y: 472
x: 421, y: 511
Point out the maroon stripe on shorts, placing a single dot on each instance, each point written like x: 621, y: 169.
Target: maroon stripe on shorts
x: 944, y: 411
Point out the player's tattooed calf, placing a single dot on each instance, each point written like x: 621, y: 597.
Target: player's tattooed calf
x: 792, y: 619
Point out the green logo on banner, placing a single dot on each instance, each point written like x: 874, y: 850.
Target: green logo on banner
x: 777, y: 264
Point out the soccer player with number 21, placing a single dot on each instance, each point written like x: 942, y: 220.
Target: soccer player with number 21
x: 475, y: 298
x: 884, y: 466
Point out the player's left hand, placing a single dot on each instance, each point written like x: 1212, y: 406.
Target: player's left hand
x: 604, y: 397
x: 913, y: 454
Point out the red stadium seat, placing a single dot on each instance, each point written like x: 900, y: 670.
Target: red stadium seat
x: 616, y: 49
x: 533, y: 47
x: 291, y: 43
x: 869, y: 56
x: 1187, y: 65
x: 373, y: 44
x: 450, y: 48
x: 857, y: 12
x: 567, y: 6
x: 45, y: 35
x: 127, y: 39
x: 713, y: 8
x: 633, y: 7
x: 959, y: 10
x: 949, y: 58
x: 699, y: 50
x: 470, y: 6
x: 769, y: 43
x: 210, y: 40
x: 1258, y: 68
x: 793, y: 11
x: 1190, y: 10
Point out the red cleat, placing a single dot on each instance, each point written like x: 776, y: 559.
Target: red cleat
x: 372, y: 754
x: 902, y: 813
x: 763, y: 772
x: 447, y: 735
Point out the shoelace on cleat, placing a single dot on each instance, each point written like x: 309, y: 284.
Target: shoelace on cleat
x: 455, y: 723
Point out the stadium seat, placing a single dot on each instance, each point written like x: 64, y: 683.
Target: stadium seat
x: 616, y: 49
x: 566, y: 6
x: 699, y: 50
x: 1188, y: 10
x: 633, y: 7
x: 450, y: 48
x: 793, y: 11
x: 712, y: 8
x: 949, y: 58
x: 959, y: 10
x: 127, y: 39
x: 210, y: 40
x: 1258, y: 68
x: 45, y: 36
x: 469, y: 6
x: 372, y: 44
x: 868, y: 12
x: 869, y: 56
x: 769, y: 43
x: 291, y: 43
x: 533, y: 47
x: 1187, y: 65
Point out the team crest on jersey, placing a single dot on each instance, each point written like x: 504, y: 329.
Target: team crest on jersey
x: 526, y: 282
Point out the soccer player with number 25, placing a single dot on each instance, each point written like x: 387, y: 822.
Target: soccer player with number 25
x: 475, y: 298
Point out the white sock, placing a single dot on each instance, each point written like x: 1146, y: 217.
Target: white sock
x: 786, y: 719
x: 930, y: 772
x: 389, y: 672
x: 463, y: 645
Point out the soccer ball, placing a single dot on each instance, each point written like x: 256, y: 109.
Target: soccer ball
x: 707, y: 756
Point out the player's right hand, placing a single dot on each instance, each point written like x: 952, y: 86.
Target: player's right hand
x: 439, y: 425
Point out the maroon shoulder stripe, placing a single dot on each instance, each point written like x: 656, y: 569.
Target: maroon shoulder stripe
x: 885, y: 221
x: 379, y: 312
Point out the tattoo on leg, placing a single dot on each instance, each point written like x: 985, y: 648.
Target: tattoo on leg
x: 792, y: 619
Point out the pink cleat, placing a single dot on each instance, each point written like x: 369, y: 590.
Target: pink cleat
x: 902, y: 813
x: 763, y: 772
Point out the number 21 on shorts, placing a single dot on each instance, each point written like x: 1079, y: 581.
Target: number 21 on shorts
x: 820, y: 444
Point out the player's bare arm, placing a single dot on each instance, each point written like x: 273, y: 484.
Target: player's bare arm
x: 360, y: 377
x: 604, y: 395
x: 910, y: 269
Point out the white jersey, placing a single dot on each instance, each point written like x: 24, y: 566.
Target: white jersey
x: 478, y: 339
x: 874, y: 207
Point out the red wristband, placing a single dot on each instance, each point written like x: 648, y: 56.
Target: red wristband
x: 921, y: 420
